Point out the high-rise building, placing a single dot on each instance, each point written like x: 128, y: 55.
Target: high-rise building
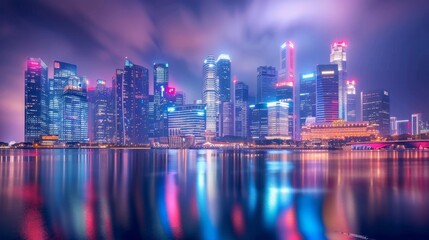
x: 351, y: 104
x: 278, y: 119
x: 223, y: 71
x: 62, y: 73
x: 132, y: 96
x: 189, y: 119
x: 416, y: 123
x: 327, y: 93
x: 307, y: 97
x: 338, y: 56
x: 403, y: 127
x: 160, y: 78
x: 241, y: 109
x: 211, y: 94
x: 103, y: 114
x: 36, y: 99
x: 266, y: 84
x: 74, y: 112
x: 376, y: 110
x: 393, y: 126
x: 287, y: 62
x: 258, y: 121
x: 227, y: 119
x: 285, y: 93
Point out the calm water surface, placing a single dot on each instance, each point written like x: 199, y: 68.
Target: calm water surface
x: 209, y: 194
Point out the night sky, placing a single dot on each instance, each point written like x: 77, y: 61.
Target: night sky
x: 388, y: 42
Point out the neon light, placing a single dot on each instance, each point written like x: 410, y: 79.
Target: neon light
x: 171, y: 91
x: 286, y: 83
x: 309, y: 75
x: 56, y: 65
x: 291, y: 45
x: 200, y: 113
x: 328, y: 72
x: 251, y: 106
x: 283, y: 45
x: 272, y: 104
x: 171, y: 109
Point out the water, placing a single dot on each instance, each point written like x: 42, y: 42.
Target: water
x: 209, y: 194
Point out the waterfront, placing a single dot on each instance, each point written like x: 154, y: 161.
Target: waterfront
x: 213, y: 194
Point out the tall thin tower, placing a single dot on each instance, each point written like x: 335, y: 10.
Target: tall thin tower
x: 338, y: 56
x: 287, y: 78
x: 211, y: 93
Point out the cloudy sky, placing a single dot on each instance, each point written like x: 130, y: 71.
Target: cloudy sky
x: 388, y: 42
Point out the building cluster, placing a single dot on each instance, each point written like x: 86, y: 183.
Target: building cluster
x: 321, y: 104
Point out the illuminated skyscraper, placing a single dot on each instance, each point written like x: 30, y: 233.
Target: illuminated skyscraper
x: 287, y: 78
x: 36, y: 99
x: 211, y: 93
x: 74, y: 112
x: 223, y: 68
x: 132, y: 88
x: 338, y: 56
x: 103, y: 113
x: 258, y: 121
x: 416, y: 123
x: 285, y: 93
x: 266, y: 84
x: 227, y: 119
x: 160, y: 78
x: 241, y: 109
x: 351, y: 101
x: 376, y: 110
x: 62, y: 73
x: 307, y: 97
x: 327, y: 93
x: 278, y: 119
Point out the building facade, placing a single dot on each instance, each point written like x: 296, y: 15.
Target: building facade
x: 211, y: 94
x: 266, y: 84
x: 188, y: 120
x: 258, y: 121
x: 36, y: 99
x: 416, y: 123
x: 132, y: 88
x: 278, y: 120
x: 104, y: 126
x: 160, y: 84
x: 74, y: 111
x: 376, y: 110
x: 338, y: 56
x: 351, y: 101
x: 241, y: 109
x: 307, y: 97
x: 327, y: 105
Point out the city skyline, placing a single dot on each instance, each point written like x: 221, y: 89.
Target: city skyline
x: 185, y: 69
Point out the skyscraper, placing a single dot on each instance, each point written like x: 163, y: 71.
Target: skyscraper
x: 241, y: 109
x: 403, y: 127
x: 62, y: 72
x: 351, y: 98
x: 160, y: 79
x: 285, y: 93
x: 307, y: 97
x: 338, y: 56
x: 227, y: 119
x: 258, y: 121
x: 266, y: 84
x: 223, y: 71
x: 103, y: 114
x: 376, y: 110
x: 416, y: 123
x: 36, y: 99
x: 287, y: 62
x: 74, y: 112
x: 278, y: 119
x: 211, y: 93
x: 132, y: 103
x: 180, y: 98
x: 327, y: 93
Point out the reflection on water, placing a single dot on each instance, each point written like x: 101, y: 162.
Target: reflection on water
x: 89, y: 194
